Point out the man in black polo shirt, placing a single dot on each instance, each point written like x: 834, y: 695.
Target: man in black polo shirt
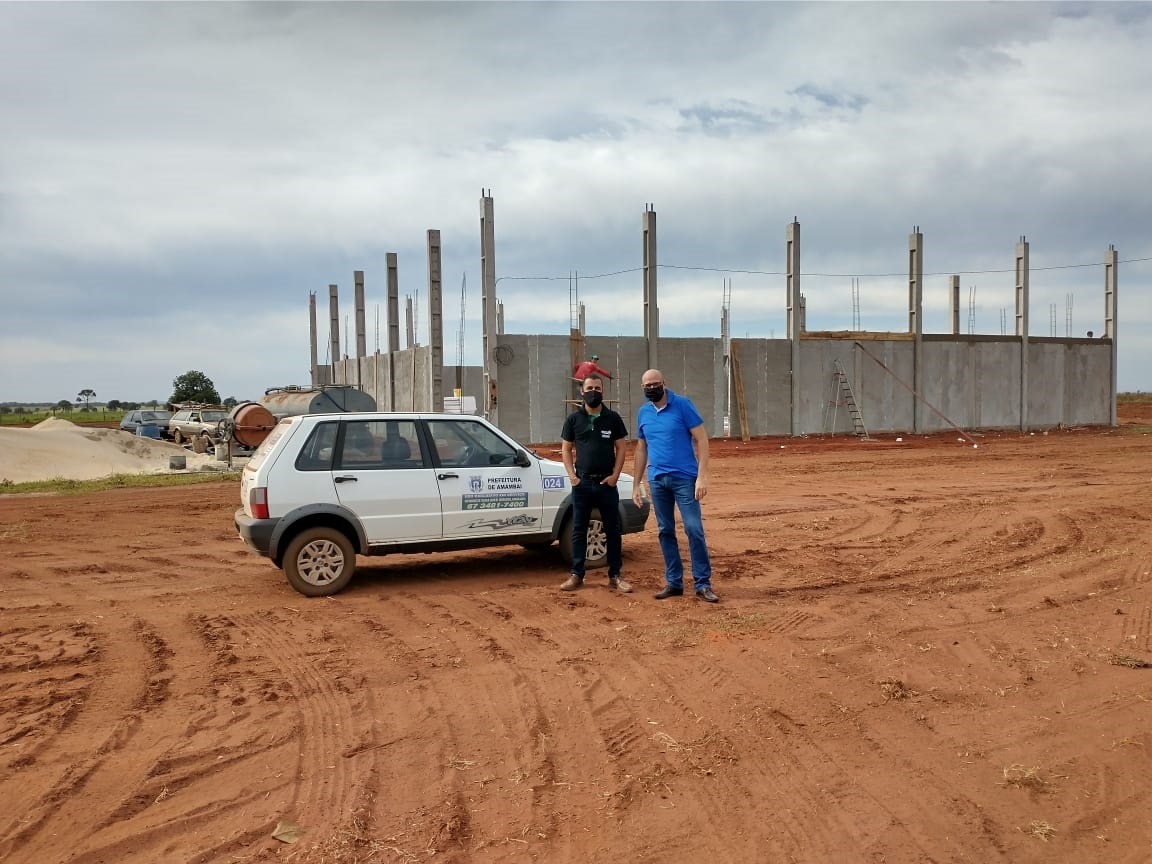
x: 595, y: 434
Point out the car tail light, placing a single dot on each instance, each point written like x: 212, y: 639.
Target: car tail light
x: 258, y: 502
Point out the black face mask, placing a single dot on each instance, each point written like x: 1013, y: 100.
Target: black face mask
x: 654, y: 393
x: 593, y: 398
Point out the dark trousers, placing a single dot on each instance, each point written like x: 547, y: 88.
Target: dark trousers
x: 586, y: 495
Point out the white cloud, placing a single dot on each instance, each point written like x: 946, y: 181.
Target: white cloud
x: 226, y: 158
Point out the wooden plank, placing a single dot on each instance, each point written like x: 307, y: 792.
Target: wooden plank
x: 738, y: 386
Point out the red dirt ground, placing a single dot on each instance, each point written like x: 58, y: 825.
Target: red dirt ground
x: 924, y: 652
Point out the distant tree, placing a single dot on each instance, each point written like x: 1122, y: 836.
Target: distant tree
x: 4, y: 409
x: 194, y: 386
x: 114, y: 404
x: 63, y: 405
x: 86, y: 395
x: 230, y: 402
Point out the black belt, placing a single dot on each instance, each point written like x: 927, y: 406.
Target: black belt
x: 595, y: 478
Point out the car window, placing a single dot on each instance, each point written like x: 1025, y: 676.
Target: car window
x: 380, y: 445
x: 213, y: 416
x: 468, y: 444
x: 181, y: 416
x: 315, y: 455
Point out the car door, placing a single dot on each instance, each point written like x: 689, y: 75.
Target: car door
x: 483, y: 491
x: 383, y: 476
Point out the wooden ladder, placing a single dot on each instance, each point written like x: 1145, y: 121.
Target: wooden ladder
x: 840, y: 381
x: 738, y: 387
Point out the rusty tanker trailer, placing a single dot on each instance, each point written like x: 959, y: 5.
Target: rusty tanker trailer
x: 250, y: 422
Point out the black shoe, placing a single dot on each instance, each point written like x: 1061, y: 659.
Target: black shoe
x: 707, y: 596
x: 669, y: 591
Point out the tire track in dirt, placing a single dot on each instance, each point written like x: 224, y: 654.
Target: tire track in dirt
x: 44, y: 682
x: 409, y: 737
x: 134, y: 678
x: 325, y: 781
x: 748, y: 736
x: 823, y: 781
x: 506, y: 706
x: 214, y: 769
x: 620, y: 768
x: 238, y: 757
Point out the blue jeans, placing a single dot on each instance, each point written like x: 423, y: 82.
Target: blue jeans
x: 586, y: 495
x: 670, y: 491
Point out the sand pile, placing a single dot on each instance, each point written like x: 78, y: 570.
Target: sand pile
x: 59, y: 448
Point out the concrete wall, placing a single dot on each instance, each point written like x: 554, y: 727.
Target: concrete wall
x: 970, y: 381
x: 766, y: 376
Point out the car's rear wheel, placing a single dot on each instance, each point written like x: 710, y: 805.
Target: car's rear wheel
x: 319, y: 562
x: 596, y: 554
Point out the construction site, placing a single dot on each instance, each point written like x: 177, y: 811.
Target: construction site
x: 853, y: 382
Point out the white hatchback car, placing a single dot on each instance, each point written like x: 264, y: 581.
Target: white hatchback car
x: 322, y: 488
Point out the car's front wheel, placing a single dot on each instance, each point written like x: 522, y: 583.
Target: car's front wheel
x: 319, y: 562
x: 178, y: 436
x: 596, y: 554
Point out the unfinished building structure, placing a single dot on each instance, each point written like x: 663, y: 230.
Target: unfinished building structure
x: 806, y: 383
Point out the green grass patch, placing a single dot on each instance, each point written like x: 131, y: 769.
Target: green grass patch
x: 61, y: 486
x: 31, y: 418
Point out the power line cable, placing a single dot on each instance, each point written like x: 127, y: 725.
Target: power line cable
x: 822, y: 275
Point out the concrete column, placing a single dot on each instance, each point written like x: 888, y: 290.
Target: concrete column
x: 361, y: 343
x: 651, y: 300
x: 393, y: 303
x: 954, y: 299
x: 411, y: 328
x: 312, y: 337
x: 915, y: 319
x: 1022, y: 326
x: 1110, y: 278
x: 488, y: 322
x: 726, y: 352
x: 435, y: 320
x: 795, y: 316
x: 500, y: 319
x: 334, y: 332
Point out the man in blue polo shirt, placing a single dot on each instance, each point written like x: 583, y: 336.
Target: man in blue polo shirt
x: 673, y: 446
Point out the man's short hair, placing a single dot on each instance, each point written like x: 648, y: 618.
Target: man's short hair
x: 592, y: 377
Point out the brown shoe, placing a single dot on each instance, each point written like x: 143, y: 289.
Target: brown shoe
x: 573, y: 583
x: 620, y: 584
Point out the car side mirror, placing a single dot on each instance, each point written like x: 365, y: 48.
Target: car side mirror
x: 522, y: 459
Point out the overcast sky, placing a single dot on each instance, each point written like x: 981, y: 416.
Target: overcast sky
x: 176, y: 179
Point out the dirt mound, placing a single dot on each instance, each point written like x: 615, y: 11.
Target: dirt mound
x: 56, y: 448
